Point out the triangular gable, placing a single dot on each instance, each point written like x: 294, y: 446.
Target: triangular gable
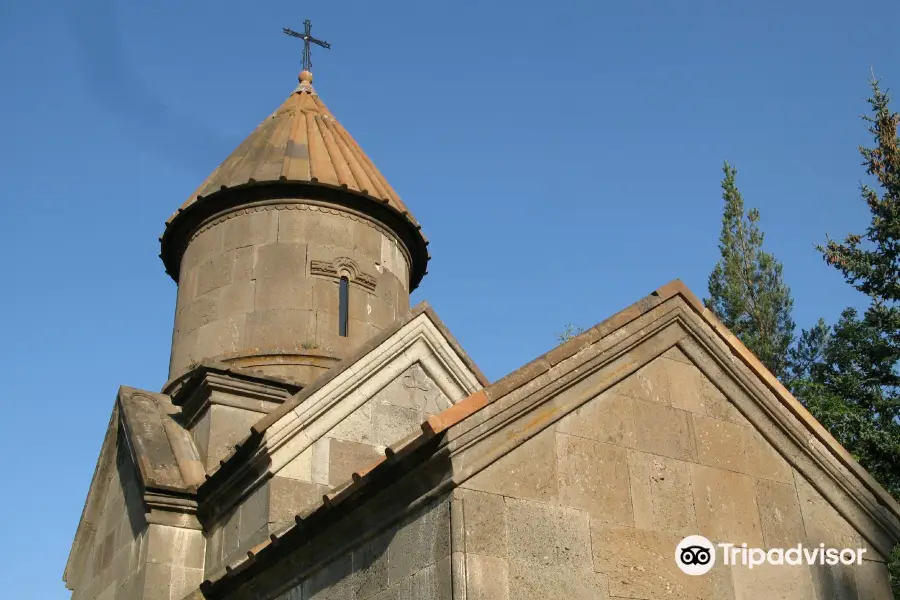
x: 417, y: 353
x: 496, y: 437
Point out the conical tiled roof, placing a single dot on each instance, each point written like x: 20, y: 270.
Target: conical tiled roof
x: 302, y: 142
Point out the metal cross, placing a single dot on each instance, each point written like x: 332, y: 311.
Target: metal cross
x: 307, y: 40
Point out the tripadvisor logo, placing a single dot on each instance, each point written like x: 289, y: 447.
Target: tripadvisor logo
x: 696, y: 555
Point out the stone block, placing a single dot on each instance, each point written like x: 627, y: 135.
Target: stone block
x: 244, y: 264
x: 220, y: 337
x: 331, y: 582
x: 641, y: 564
x: 289, y: 497
x: 228, y: 426
x: 199, y: 312
x: 366, y: 239
x: 725, y: 504
x: 685, y: 383
x: 420, y: 540
x: 344, y: 458
x: 215, y: 272
x: 157, y: 582
x: 661, y: 493
x: 392, y: 423
x: 183, y: 582
x: 721, y: 444
x: 370, y: 566
x: 214, y: 550
x: 280, y: 261
x: 717, y: 406
x: 823, y: 523
x: 573, y: 539
x: 299, y: 467
x: 207, y: 244
x: 763, y: 460
x: 358, y: 426
x: 289, y: 292
x: 187, y: 288
x: 838, y: 582
x: 254, y: 513
x: 484, y: 519
x: 608, y: 418
x: 664, y: 430
x: 532, y: 532
x: 650, y: 383
x: 772, y: 581
x: 432, y: 582
x: 250, y: 229
x: 528, y: 581
x: 528, y: 472
x: 231, y: 541
x: 293, y: 225
x: 779, y: 511
x: 236, y: 298
x: 326, y: 295
x: 594, y: 477
x: 358, y: 306
x: 360, y: 332
x: 280, y: 328
x: 873, y: 581
x: 486, y: 578
x: 332, y: 230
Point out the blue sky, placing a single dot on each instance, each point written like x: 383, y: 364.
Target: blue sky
x: 564, y: 159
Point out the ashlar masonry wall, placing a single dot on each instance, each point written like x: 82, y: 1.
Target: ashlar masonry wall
x: 594, y: 506
x: 408, y: 561
x: 396, y: 411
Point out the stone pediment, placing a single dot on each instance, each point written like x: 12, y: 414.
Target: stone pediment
x: 660, y: 382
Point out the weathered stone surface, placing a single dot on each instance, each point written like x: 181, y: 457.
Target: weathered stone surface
x: 772, y: 581
x: 640, y: 564
x: 251, y: 229
x: 661, y: 493
x: 721, y: 444
x: 333, y: 582
x: 288, y: 329
x: 763, y: 460
x: 779, y: 509
x: 685, y: 382
x: 280, y: 261
x: 649, y: 383
x: 725, y: 504
x: 528, y: 581
x: 432, y: 582
x: 716, y: 405
x: 608, y: 418
x: 370, y: 566
x: 484, y: 520
x: 421, y: 540
x: 823, y: 524
x: 392, y: 423
x: 289, y: 497
x: 486, y: 578
x: 527, y: 472
x: 288, y: 292
x: 664, y: 430
x: 594, y: 477
x: 346, y: 457
x: 873, y: 581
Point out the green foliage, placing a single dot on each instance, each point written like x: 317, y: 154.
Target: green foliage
x: 848, y: 377
x: 746, y: 289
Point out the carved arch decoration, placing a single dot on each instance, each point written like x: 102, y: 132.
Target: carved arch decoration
x: 343, y: 267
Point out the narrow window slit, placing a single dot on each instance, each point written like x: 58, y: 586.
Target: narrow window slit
x: 343, y: 310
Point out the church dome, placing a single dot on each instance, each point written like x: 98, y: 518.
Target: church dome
x: 301, y: 143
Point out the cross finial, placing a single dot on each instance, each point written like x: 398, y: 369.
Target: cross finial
x: 308, y: 39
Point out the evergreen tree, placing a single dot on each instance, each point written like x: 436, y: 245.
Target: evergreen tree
x: 746, y: 289
x: 855, y: 390
x: 848, y: 377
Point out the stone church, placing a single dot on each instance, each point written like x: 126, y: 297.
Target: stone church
x: 319, y: 439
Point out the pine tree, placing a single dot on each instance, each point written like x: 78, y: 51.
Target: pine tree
x: 746, y: 289
x: 856, y: 388
x: 853, y: 388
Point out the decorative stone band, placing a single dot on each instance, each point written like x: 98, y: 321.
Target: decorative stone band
x: 343, y: 267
